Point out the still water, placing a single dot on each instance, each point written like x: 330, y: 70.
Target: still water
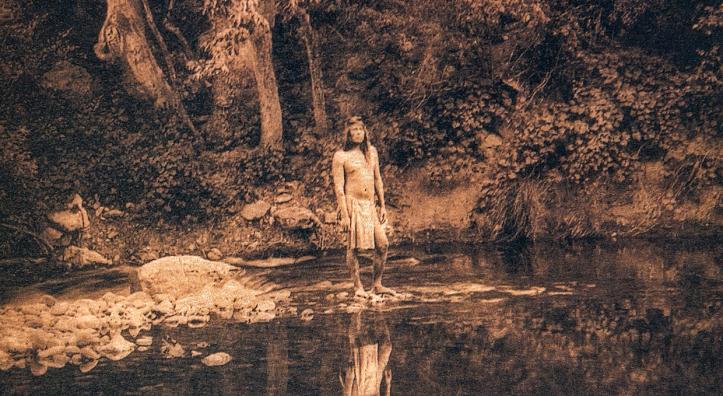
x: 598, y: 318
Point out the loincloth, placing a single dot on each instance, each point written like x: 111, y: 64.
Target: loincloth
x: 363, y: 218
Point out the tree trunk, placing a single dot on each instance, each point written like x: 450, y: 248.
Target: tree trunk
x: 123, y: 39
x: 269, y: 104
x: 318, y: 103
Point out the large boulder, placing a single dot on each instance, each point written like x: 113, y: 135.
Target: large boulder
x: 182, y: 275
x: 296, y: 218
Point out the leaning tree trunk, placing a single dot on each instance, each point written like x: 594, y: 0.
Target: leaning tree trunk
x: 318, y: 103
x: 123, y: 39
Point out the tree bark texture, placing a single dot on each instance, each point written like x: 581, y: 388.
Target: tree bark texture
x: 318, y: 102
x: 123, y: 39
x: 269, y: 104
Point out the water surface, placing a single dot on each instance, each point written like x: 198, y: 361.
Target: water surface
x: 604, y: 318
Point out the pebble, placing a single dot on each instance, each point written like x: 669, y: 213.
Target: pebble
x: 86, y: 367
x: 216, y: 359
x: 144, y: 341
x: 49, y: 301
x: 307, y: 314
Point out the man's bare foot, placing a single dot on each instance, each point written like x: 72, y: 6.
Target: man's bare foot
x: 379, y: 289
x: 359, y: 292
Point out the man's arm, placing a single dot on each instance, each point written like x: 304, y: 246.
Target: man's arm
x: 379, y: 187
x: 337, y: 171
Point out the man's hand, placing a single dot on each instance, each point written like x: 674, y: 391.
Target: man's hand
x: 344, y: 222
x: 383, y: 215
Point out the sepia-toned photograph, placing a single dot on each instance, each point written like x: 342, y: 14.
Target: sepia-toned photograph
x: 361, y: 197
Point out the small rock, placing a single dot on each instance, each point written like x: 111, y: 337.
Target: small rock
x: 255, y: 211
x: 214, y: 255
x: 118, y: 348
x: 89, y: 353
x: 307, y: 314
x: 265, y: 305
x: 172, y: 350
x: 196, y: 353
x: 38, y: 368
x: 142, y: 348
x: 86, y: 367
x: 283, y: 198
x: 144, y: 341
x: 76, y: 359
x: 296, y: 218
x: 113, y: 214
x: 216, y: 359
x: 342, y: 295
x: 83, y: 256
x: 48, y: 300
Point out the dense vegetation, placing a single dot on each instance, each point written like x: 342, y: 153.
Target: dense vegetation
x: 580, y: 92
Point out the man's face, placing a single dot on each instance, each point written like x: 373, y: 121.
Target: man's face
x: 356, y: 133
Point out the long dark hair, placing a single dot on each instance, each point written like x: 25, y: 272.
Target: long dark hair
x: 348, y: 144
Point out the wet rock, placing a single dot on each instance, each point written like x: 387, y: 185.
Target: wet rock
x: 342, y: 295
x: 72, y: 350
x: 83, y: 256
x: 307, y: 314
x: 296, y: 218
x: 143, y: 348
x: 196, y: 321
x: 182, y: 275
x: 89, y: 353
x: 214, y: 254
x: 6, y: 361
x: 38, y: 368
x: 56, y: 350
x: 283, y: 198
x: 255, y: 210
x: 118, y: 348
x: 72, y: 80
x: 172, y: 350
x: 55, y: 361
x: 87, y: 367
x: 144, y: 341
x: 216, y: 359
x: 195, y: 353
x: 76, y: 360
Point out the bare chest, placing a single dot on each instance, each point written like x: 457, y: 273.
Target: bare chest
x: 356, y: 164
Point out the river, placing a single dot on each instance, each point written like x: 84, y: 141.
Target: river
x: 630, y: 317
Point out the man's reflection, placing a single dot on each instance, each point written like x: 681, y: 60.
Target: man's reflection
x: 370, y: 347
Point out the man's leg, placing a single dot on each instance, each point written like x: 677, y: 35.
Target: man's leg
x: 380, y: 260
x: 352, y: 261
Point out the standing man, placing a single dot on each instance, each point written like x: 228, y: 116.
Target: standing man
x: 356, y: 182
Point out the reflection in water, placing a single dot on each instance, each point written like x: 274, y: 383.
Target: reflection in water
x: 369, y: 349
x: 602, y: 318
